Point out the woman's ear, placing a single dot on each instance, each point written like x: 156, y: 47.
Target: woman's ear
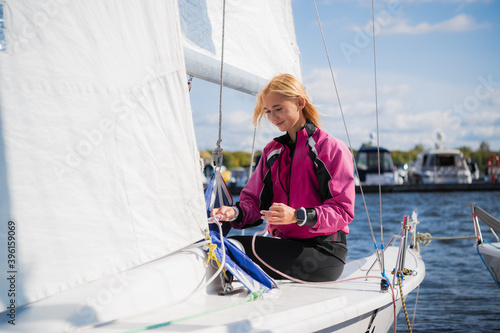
x: 301, y: 102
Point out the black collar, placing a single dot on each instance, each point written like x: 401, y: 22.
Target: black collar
x: 285, y: 138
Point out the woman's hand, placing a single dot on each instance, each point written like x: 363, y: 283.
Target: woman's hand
x: 228, y: 213
x: 279, y: 214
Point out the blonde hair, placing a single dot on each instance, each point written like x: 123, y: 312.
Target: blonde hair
x: 290, y: 87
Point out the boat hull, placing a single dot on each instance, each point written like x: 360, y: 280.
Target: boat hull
x: 491, y: 256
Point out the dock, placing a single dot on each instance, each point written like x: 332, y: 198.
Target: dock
x: 475, y: 186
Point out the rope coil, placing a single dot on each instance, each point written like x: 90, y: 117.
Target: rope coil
x: 423, y: 238
x: 405, y: 272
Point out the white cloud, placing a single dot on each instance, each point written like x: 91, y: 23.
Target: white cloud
x: 238, y: 118
x: 410, y: 113
x: 461, y: 2
x: 394, y: 107
x: 450, y: 1
x: 399, y: 90
x: 459, y: 23
x: 485, y: 131
x: 495, y: 97
x: 205, y: 119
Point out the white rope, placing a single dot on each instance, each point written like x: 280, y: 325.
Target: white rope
x: 376, y: 119
x: 343, y: 119
x: 217, y: 153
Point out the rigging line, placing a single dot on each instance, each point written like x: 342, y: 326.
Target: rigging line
x: 376, y: 119
x: 382, y: 263
x: 253, y: 153
x: 343, y: 120
x: 415, y: 307
x: 217, y: 154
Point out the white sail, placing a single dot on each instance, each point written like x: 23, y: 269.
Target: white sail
x: 97, y: 148
x: 259, y: 41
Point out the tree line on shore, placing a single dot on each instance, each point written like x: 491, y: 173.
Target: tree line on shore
x: 242, y: 158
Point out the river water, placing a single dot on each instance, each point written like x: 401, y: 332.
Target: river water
x: 458, y: 294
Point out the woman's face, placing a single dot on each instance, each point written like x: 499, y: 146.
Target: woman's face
x: 284, y: 113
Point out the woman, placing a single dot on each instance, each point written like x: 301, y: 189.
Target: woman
x: 303, y: 187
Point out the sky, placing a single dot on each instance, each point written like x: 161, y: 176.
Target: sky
x: 436, y: 70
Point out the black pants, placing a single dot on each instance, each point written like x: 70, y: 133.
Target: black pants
x: 294, y: 258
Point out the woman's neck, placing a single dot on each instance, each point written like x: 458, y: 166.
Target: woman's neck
x: 293, y: 133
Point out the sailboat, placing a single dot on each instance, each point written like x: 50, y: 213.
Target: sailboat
x: 488, y: 252
x: 102, y: 214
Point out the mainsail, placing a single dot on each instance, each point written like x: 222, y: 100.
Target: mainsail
x: 98, y: 161
x: 259, y: 41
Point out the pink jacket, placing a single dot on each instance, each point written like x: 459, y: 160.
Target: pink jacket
x: 319, y: 175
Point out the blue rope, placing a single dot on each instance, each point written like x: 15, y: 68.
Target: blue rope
x: 386, y: 282
x: 484, y: 262
x: 496, y: 247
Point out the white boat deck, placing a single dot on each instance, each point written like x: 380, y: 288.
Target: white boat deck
x: 146, y: 296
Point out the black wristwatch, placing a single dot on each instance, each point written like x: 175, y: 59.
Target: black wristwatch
x: 301, y: 215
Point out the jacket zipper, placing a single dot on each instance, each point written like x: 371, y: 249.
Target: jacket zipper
x: 290, y: 178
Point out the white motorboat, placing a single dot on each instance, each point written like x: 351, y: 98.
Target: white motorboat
x: 440, y: 166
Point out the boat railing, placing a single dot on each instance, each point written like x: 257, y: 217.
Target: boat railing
x: 408, y: 225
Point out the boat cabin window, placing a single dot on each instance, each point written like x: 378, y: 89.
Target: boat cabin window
x: 446, y: 161
x: 424, y: 161
x: 362, y: 161
x: 387, y: 165
x: 2, y: 27
x: 441, y: 160
x: 432, y: 161
x: 367, y: 160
